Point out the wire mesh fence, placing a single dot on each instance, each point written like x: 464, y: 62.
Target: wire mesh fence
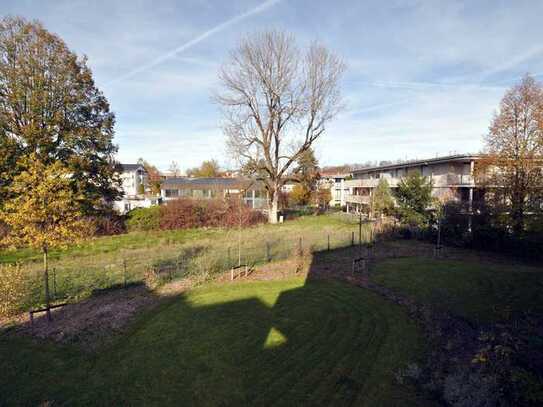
x: 73, y: 278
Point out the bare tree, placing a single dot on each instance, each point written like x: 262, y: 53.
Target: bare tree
x: 174, y: 169
x: 512, y: 168
x: 277, y: 101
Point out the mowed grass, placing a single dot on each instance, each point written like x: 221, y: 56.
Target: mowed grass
x: 284, y: 342
x: 477, y: 291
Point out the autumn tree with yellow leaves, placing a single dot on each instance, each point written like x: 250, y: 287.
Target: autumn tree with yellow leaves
x: 45, y: 212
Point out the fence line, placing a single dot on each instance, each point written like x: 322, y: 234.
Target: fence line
x: 78, y: 277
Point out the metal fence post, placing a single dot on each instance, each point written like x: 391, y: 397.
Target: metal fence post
x: 124, y: 272
x: 328, y: 241
x: 55, y: 283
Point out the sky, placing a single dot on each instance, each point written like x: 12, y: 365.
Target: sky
x: 423, y: 78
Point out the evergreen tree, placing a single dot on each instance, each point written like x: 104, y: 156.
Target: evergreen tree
x: 414, y: 199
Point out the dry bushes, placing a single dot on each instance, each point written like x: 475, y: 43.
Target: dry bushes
x: 193, y: 213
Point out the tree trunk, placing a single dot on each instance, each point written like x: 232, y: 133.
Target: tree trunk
x: 46, y: 283
x: 274, y: 207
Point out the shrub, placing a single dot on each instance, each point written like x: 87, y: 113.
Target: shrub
x: 111, y: 224
x: 193, y: 213
x: 143, y: 219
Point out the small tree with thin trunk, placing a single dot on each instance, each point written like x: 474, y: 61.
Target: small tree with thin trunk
x: 383, y: 201
x: 45, y: 212
x: 174, y: 169
x: 414, y: 198
x: 512, y: 168
x: 277, y: 101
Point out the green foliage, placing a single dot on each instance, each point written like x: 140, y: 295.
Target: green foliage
x: 414, y: 198
x: 50, y: 108
x: 383, y: 202
x: 302, y: 343
x: 141, y: 189
x: 307, y: 170
x: 143, y: 219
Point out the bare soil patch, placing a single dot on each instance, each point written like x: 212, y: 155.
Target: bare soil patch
x: 91, y: 321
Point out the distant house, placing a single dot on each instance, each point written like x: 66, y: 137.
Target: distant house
x: 134, y: 184
x: 253, y: 193
x: 452, y: 179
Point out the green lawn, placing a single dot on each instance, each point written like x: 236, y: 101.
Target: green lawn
x: 479, y: 292
x: 282, y: 342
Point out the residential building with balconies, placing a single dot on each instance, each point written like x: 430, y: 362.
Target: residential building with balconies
x: 452, y: 179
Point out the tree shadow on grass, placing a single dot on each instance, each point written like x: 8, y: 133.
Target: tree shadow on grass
x: 294, y: 342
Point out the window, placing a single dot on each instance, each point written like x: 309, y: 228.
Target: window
x: 172, y: 193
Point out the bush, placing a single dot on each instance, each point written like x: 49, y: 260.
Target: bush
x: 194, y: 213
x: 143, y: 219
x: 111, y: 224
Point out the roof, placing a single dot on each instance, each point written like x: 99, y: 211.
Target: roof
x: 209, y: 183
x: 334, y: 175
x: 416, y: 163
x: 130, y: 167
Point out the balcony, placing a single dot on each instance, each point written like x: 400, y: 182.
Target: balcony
x: 370, y: 182
x: 460, y: 180
x: 359, y: 199
x: 361, y: 183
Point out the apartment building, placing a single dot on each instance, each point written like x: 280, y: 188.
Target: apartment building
x: 253, y: 193
x: 338, y: 188
x: 451, y: 176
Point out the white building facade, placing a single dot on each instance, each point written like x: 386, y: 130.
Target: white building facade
x: 338, y: 187
x: 134, y: 184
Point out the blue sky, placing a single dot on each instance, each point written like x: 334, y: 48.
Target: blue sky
x: 423, y: 77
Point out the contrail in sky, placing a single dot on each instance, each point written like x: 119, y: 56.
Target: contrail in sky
x: 257, y: 10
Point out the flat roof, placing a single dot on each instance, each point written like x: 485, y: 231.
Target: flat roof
x: 416, y: 163
x: 130, y: 167
x: 209, y: 183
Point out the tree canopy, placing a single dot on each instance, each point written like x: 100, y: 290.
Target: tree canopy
x: 51, y: 109
x: 512, y: 168
x: 383, y: 201
x: 414, y: 199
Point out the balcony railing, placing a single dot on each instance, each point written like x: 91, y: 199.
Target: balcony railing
x: 362, y: 183
x: 460, y: 179
x: 359, y: 199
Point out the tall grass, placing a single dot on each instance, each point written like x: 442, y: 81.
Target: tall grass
x: 197, y: 254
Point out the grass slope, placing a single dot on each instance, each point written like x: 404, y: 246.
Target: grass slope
x: 200, y: 253
x: 479, y: 292
x: 281, y: 343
